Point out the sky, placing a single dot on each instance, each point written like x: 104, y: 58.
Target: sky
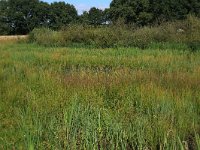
x: 82, y: 5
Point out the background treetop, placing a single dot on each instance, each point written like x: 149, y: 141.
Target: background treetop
x: 22, y: 16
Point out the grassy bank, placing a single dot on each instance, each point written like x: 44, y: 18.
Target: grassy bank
x: 78, y: 98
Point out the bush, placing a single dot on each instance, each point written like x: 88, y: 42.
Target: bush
x: 120, y: 35
x: 103, y: 37
x: 46, y: 37
x: 193, y: 33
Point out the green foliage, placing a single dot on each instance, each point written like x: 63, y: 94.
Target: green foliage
x: 136, y: 11
x: 46, y: 37
x: 121, y: 35
x: 143, y: 12
x: 193, y: 32
x: 95, y: 16
x: 3, y: 23
x: 61, y: 14
x: 83, y: 18
x: 88, y: 36
x: 22, y: 16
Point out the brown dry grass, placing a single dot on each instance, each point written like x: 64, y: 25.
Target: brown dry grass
x: 13, y: 38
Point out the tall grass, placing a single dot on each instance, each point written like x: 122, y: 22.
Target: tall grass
x: 77, y: 98
x: 179, y: 32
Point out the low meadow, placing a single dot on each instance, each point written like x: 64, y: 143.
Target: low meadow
x: 94, y: 98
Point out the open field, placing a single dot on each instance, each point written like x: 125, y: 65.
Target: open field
x: 78, y: 98
x: 4, y: 39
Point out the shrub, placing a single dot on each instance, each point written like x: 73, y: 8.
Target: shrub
x: 142, y: 37
x: 193, y: 33
x: 46, y: 37
x: 120, y: 35
x: 98, y: 37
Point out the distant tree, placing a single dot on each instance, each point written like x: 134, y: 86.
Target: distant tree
x: 61, y: 14
x: 43, y: 14
x: 95, y: 16
x: 3, y: 19
x: 143, y: 12
x: 22, y: 15
x: 106, y: 16
x: 83, y: 18
x: 19, y: 15
x: 174, y: 9
x: 132, y: 11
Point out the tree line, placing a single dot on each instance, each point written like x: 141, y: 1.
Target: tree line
x: 22, y: 16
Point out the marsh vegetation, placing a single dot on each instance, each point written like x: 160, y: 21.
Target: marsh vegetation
x: 94, y: 98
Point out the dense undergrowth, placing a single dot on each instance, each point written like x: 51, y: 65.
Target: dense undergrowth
x: 186, y: 32
x: 78, y: 98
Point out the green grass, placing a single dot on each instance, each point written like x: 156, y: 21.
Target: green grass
x: 79, y: 98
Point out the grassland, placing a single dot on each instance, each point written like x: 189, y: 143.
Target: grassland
x: 80, y: 98
x: 8, y: 39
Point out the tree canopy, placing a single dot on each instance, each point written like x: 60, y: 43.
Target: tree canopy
x: 143, y: 12
x: 62, y: 14
x: 94, y: 17
x: 22, y: 16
